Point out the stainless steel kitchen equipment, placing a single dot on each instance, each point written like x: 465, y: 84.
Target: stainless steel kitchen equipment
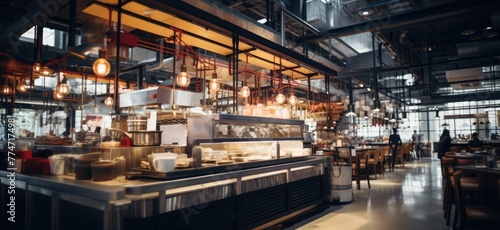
x: 217, y: 128
x: 141, y: 138
x: 160, y: 98
x: 137, y: 123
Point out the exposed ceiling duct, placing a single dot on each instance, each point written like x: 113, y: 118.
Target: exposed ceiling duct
x: 465, y: 75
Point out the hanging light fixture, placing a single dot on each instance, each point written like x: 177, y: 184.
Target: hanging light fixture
x: 393, y: 117
x: 37, y: 67
x: 437, y: 115
x: 214, y: 84
x: 280, y: 98
x: 63, y: 88
x: 109, y: 101
x: 365, y: 115
x: 58, y: 96
x: 6, y: 89
x: 183, y: 79
x: 46, y: 71
x: 245, y: 91
x: 351, y: 112
x: 21, y: 86
x: 101, y: 66
x: 386, y: 116
x: 292, y: 100
x: 376, y: 105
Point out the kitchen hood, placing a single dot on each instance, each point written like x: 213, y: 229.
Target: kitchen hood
x: 161, y: 98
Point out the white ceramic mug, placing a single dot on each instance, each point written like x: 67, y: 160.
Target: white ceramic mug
x: 56, y: 164
x: 164, y: 163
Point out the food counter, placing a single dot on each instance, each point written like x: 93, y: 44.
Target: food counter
x: 240, y: 197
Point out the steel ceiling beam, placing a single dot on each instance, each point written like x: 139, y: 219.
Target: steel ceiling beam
x: 191, y: 13
x: 410, y: 19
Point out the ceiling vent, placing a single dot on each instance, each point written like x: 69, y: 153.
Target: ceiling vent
x: 465, y: 78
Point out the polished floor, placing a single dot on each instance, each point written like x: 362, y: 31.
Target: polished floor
x: 408, y: 198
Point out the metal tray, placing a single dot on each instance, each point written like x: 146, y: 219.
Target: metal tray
x: 193, y: 172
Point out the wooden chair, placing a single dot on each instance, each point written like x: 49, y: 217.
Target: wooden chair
x: 404, y: 148
x: 477, y: 216
x: 373, y: 160
x: 474, y: 149
x: 455, y: 149
x: 360, y: 169
x: 469, y: 186
x: 450, y: 153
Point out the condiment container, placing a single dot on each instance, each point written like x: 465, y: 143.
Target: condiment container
x: 103, y: 170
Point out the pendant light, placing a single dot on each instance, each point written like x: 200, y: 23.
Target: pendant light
x: 101, y: 66
x: 437, y: 115
x: 280, y: 98
x: 46, y: 71
x: 214, y: 84
x: 109, y: 101
x: 365, y: 115
x: 386, y: 116
x: 37, y: 67
x: 6, y: 89
x: 183, y: 79
x: 245, y: 91
x: 63, y: 88
x: 393, y: 117
x: 292, y: 100
x: 21, y: 86
x: 58, y: 96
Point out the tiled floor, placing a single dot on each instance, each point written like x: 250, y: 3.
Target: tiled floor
x: 408, y: 198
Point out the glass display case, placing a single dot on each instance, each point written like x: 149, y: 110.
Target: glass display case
x: 217, y: 128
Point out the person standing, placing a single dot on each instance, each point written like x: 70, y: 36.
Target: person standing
x: 394, y: 143
x: 444, y: 143
x: 417, y: 144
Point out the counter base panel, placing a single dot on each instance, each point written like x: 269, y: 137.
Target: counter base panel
x: 245, y: 211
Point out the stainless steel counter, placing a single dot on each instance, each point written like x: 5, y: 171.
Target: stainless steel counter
x: 143, y: 198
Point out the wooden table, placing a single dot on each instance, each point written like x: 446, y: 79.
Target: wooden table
x: 470, y: 156
x: 488, y: 178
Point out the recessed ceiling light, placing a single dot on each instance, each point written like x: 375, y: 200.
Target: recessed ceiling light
x: 365, y: 12
x: 262, y: 21
x: 468, y: 32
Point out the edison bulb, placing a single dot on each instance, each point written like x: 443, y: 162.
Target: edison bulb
x: 6, y: 90
x: 21, y: 87
x: 62, y: 89
x: 37, y: 67
x: 101, y: 67
x: 183, y: 79
x: 280, y: 98
x: 292, y: 100
x: 58, y: 96
x: 214, y: 84
x: 45, y: 71
x: 109, y: 101
x: 245, y: 91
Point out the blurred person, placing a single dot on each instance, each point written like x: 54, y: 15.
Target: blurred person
x: 444, y: 143
x: 475, y: 142
x: 417, y: 144
x: 394, y: 143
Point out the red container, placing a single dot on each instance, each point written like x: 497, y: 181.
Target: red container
x: 37, y: 166
x: 25, y: 154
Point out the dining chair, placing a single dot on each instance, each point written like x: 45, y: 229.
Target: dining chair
x: 476, y: 216
x: 455, y: 149
x: 373, y: 160
x: 449, y: 153
x: 360, y: 169
x: 401, y: 152
x: 470, y: 186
